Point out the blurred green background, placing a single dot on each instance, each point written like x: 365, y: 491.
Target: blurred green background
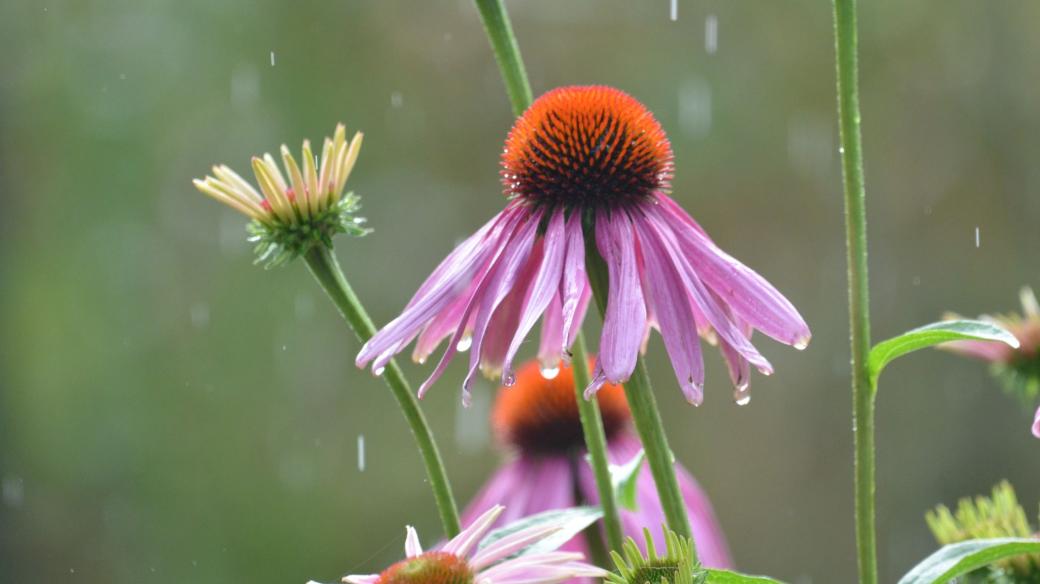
x: 172, y: 413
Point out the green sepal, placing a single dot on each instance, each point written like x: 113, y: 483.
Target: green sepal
x: 279, y: 242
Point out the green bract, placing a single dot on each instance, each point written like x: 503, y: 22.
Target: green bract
x: 278, y: 242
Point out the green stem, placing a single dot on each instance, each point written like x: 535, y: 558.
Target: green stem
x: 645, y: 413
x: 845, y: 40
x: 511, y: 64
x: 596, y: 442
x: 326, y: 270
x: 496, y: 24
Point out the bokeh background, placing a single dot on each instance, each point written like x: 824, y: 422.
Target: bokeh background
x: 171, y: 413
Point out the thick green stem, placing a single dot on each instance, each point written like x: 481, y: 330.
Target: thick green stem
x: 845, y: 41
x: 596, y: 442
x: 496, y: 24
x: 326, y: 270
x: 647, y: 418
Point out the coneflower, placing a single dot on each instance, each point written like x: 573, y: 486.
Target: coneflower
x: 459, y: 561
x: 536, y: 422
x: 590, y: 164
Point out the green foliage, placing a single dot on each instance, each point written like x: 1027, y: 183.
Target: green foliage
x: 929, y: 335
x: 278, y: 242
x: 988, y: 519
x: 967, y: 557
x: 728, y: 577
x: 676, y: 566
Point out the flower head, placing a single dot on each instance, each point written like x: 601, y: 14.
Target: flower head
x: 460, y: 561
x: 676, y: 566
x: 536, y: 421
x: 1018, y: 369
x: 590, y: 164
x: 302, y: 208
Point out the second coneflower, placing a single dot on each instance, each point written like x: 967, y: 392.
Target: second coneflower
x: 537, y: 421
x: 590, y: 164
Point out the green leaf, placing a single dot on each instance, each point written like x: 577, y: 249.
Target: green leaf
x: 571, y: 521
x: 623, y: 479
x: 957, y: 559
x: 933, y: 334
x: 728, y: 577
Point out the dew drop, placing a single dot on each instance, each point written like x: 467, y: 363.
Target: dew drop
x: 379, y: 371
x: 464, y: 344
x: 509, y: 379
x: 550, y: 372
x: 742, y: 398
x: 801, y: 344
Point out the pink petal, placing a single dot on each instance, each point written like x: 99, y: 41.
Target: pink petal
x: 551, y: 346
x: 511, y: 543
x: 542, y: 289
x: 574, y: 288
x: 506, y: 317
x: 704, y: 301
x: 361, y: 579
x: 501, y: 280
x: 750, y: 295
x: 447, y: 282
x: 412, y: 547
x: 674, y: 315
x: 1036, y: 424
x: 461, y: 544
x: 625, y: 319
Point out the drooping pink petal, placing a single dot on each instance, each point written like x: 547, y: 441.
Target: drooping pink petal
x: 574, y: 288
x: 501, y: 280
x: 1036, y: 424
x: 703, y: 300
x: 543, y: 287
x: 412, y: 547
x: 509, y: 544
x: 506, y: 318
x: 550, y: 348
x: 674, y: 315
x: 358, y: 579
x: 543, y: 568
x: 443, y: 325
x: 461, y: 544
x: 750, y: 295
x: 625, y: 320
x: 449, y: 280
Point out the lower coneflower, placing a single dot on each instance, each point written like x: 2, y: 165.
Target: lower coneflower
x: 675, y: 566
x: 537, y: 420
x: 590, y: 166
x: 459, y: 561
x: 1018, y: 368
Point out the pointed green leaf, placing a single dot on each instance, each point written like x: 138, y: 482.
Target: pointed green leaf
x: 957, y: 559
x: 624, y: 479
x: 572, y: 521
x: 933, y: 334
x: 728, y: 577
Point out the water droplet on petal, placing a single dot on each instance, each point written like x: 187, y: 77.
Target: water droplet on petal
x: 464, y: 344
x: 550, y: 372
x: 801, y: 344
x: 379, y: 371
x: 742, y: 398
x: 509, y: 379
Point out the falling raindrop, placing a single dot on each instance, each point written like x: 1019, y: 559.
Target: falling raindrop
x: 711, y: 34
x: 976, y: 237
x: 674, y: 10
x: 199, y: 314
x: 272, y: 58
x: 550, y: 372
x: 361, y: 453
x: 396, y: 99
x: 464, y: 344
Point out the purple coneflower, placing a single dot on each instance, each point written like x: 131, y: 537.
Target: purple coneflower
x: 590, y: 164
x: 460, y: 562
x: 1018, y: 368
x: 537, y: 420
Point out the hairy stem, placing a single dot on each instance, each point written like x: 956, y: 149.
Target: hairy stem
x: 845, y: 41
x: 326, y: 270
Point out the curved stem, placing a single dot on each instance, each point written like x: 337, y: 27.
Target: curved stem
x: 647, y: 418
x: 845, y: 41
x: 496, y: 24
x: 596, y: 442
x: 326, y: 270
